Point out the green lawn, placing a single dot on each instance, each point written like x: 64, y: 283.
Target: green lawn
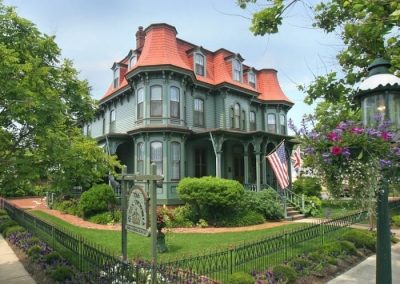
x: 178, y: 244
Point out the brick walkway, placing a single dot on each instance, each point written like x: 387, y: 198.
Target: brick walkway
x: 39, y: 204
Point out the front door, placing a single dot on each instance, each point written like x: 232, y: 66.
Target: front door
x: 238, y: 163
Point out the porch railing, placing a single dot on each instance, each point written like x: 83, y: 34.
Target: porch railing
x: 253, y: 187
x: 295, y: 199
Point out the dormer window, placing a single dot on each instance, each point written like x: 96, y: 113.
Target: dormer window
x: 252, y: 79
x: 199, y: 64
x: 237, y: 70
x: 116, y: 78
x: 132, y: 61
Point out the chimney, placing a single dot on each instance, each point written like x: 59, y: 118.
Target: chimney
x: 140, y: 36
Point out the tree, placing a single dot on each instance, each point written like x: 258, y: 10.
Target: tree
x: 366, y: 28
x: 42, y: 104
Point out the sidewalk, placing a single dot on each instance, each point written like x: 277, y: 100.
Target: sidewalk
x: 11, y: 270
x: 365, y: 272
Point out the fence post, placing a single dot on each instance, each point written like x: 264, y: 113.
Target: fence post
x: 231, y: 260
x: 302, y: 202
x: 322, y: 233
x: 285, y: 244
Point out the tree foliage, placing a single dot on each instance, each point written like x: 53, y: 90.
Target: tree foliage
x: 42, y: 104
x: 367, y: 29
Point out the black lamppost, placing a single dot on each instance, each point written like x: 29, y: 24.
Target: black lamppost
x: 379, y: 93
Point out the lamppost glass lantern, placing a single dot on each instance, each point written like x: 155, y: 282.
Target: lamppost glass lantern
x: 380, y: 94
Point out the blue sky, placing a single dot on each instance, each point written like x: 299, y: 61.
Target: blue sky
x: 96, y: 33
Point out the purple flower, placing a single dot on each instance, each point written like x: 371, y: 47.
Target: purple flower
x: 396, y: 151
x: 346, y: 153
x: 384, y: 163
x: 309, y: 151
x: 342, y: 125
x: 313, y: 135
x: 292, y: 126
x: 327, y: 157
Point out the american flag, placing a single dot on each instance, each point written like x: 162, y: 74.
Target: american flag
x: 296, y: 158
x: 279, y: 165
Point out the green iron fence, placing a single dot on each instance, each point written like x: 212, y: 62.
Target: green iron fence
x: 101, y: 266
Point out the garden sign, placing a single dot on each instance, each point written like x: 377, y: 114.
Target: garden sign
x: 138, y: 212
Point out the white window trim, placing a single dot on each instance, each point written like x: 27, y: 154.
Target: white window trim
x: 251, y: 72
x: 116, y: 75
x: 204, y: 63
x: 235, y: 60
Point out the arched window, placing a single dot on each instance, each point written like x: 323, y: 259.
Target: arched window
x: 140, y: 99
x: 199, y: 64
x: 237, y: 70
x: 132, y: 61
x: 112, y: 120
x: 174, y: 102
x: 198, y: 115
x: 176, y: 160
x: 140, y: 157
x: 156, y: 156
x: 155, y: 101
x: 271, y: 123
x: 282, y: 123
x: 252, y: 120
x: 252, y: 79
x: 116, y: 78
x: 236, y: 116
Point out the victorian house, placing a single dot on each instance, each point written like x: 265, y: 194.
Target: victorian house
x: 191, y: 111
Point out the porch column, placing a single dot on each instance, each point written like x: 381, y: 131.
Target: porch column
x: 258, y: 175
x: 264, y: 169
x: 246, y: 162
x: 218, y: 164
x: 257, y: 150
x: 217, y: 141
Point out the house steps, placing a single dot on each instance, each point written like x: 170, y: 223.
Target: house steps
x: 293, y: 214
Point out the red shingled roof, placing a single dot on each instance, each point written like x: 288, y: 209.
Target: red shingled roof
x: 162, y: 47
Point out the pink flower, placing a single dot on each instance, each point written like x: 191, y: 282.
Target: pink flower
x: 386, y: 135
x: 333, y: 136
x: 357, y: 130
x: 336, y: 150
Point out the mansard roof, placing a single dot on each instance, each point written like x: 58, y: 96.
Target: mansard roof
x: 161, y: 47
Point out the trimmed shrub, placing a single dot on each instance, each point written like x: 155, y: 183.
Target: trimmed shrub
x: 212, y: 196
x: 5, y: 224
x: 284, y: 273
x: 361, y: 239
x: 266, y: 202
x: 61, y: 274
x: 241, y: 278
x: 102, y: 218
x: 308, y: 186
x: 96, y: 200
x: 241, y: 218
x: 13, y: 229
x: 3, y: 212
x: 68, y: 206
x: 396, y: 221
